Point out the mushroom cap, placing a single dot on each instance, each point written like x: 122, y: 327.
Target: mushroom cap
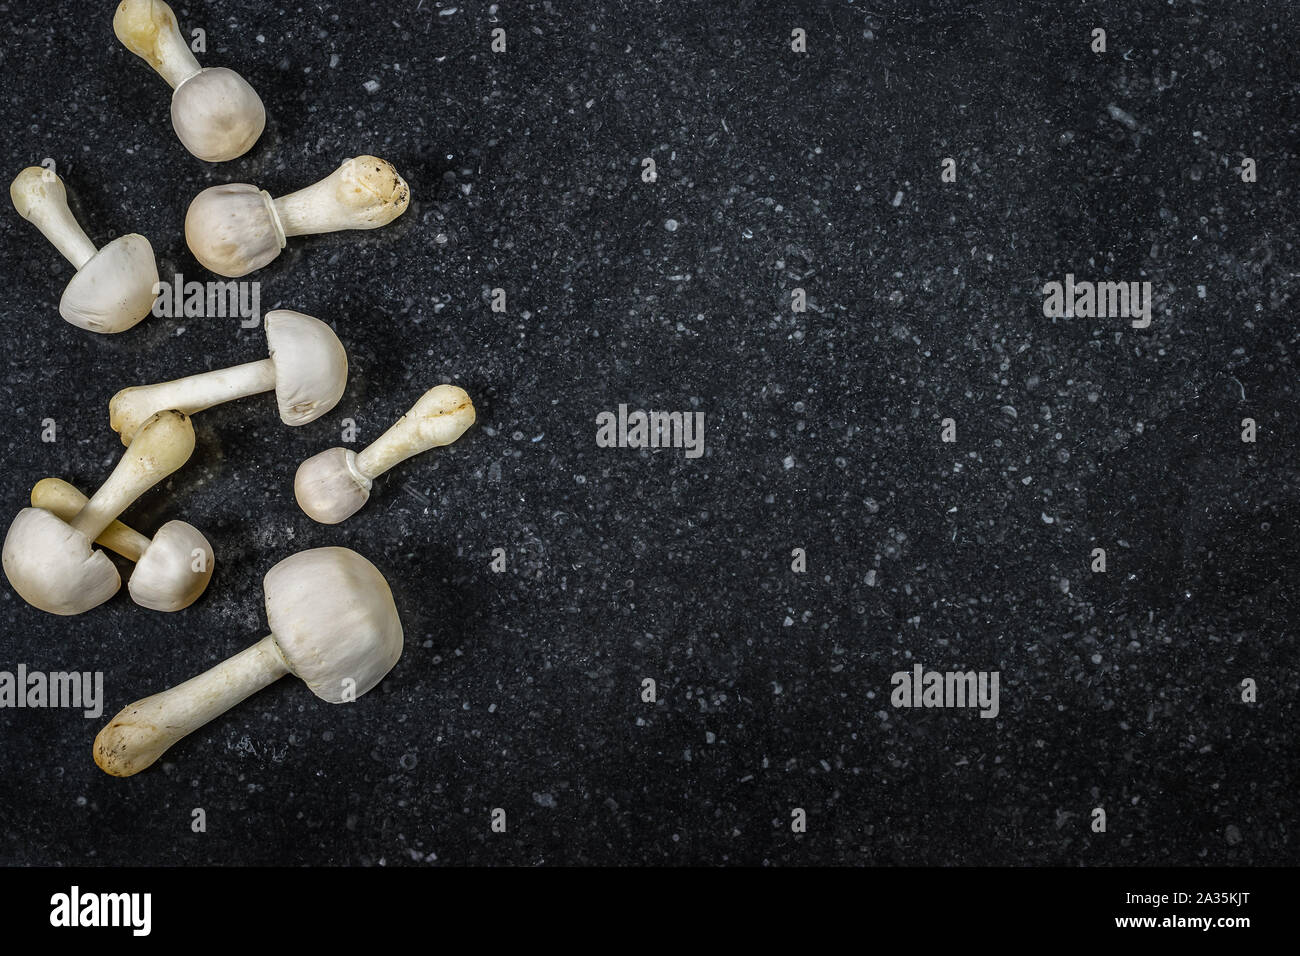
x: 233, y: 229
x: 115, y: 289
x: 328, y: 486
x: 53, y: 567
x: 334, y: 621
x: 311, y: 365
x: 165, y: 578
x: 217, y: 115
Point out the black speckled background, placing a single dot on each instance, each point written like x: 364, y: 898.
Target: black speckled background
x: 521, y: 690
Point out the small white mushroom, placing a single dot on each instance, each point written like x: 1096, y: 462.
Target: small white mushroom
x: 332, y: 486
x: 333, y: 624
x: 114, y: 287
x: 171, y: 571
x: 308, y: 369
x: 236, y: 228
x: 215, y: 113
x: 50, y: 562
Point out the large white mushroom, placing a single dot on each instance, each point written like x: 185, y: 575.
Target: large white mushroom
x: 115, y: 287
x: 308, y: 369
x: 334, y: 484
x: 215, y: 113
x: 50, y: 562
x: 236, y: 228
x: 333, y: 624
x: 171, y: 571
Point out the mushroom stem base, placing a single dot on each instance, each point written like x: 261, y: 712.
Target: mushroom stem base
x: 142, y: 732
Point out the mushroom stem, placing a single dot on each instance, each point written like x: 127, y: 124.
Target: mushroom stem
x: 162, y: 445
x: 440, y: 417
x: 148, y: 28
x: 131, y: 406
x: 142, y: 732
x: 65, y: 501
x: 364, y: 193
x: 40, y: 198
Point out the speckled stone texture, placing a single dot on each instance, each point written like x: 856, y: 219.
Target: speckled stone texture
x: 776, y: 170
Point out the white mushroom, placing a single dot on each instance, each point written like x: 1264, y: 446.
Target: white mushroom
x: 333, y: 624
x: 51, y: 563
x: 333, y: 485
x: 215, y: 113
x: 308, y: 369
x: 114, y: 287
x: 171, y: 571
x: 236, y: 228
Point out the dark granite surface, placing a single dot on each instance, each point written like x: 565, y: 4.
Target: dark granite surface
x: 776, y: 170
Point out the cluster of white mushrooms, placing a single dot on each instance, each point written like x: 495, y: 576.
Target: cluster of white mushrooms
x: 332, y: 617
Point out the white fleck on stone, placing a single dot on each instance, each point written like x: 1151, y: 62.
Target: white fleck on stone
x: 788, y: 463
x: 371, y: 86
x: 671, y: 225
x: 1122, y: 117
